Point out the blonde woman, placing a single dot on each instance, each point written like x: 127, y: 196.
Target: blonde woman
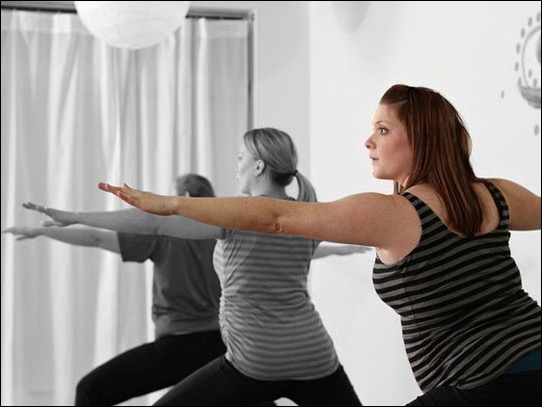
x: 277, y: 345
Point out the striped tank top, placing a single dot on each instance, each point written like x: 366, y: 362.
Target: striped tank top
x: 464, y: 315
x: 268, y: 322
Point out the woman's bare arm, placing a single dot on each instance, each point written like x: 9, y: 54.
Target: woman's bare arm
x: 131, y: 221
x: 368, y: 219
x: 78, y: 235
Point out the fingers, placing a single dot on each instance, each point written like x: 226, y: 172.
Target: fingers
x: 109, y: 188
x: 125, y: 192
x: 30, y: 205
x: 48, y: 223
x: 16, y: 230
x: 103, y: 186
x: 34, y: 207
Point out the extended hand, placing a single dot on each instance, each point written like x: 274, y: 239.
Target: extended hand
x: 146, y: 201
x: 22, y: 232
x: 60, y: 218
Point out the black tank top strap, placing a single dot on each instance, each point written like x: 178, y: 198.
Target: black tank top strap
x: 427, y: 217
x: 499, y: 200
x: 414, y: 200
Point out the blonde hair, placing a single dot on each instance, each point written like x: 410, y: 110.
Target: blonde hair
x: 277, y: 150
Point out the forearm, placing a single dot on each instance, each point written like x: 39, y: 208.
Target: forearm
x: 130, y: 221
x: 82, y: 236
x: 126, y: 220
x: 137, y: 221
x: 247, y: 213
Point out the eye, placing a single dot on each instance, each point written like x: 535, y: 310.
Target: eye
x: 382, y: 130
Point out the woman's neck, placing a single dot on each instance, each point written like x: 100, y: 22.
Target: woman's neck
x: 271, y: 191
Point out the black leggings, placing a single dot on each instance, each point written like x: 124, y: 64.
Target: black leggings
x: 219, y: 383
x: 148, y: 368
x: 518, y: 389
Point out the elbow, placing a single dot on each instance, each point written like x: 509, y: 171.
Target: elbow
x: 97, y: 241
x: 276, y: 226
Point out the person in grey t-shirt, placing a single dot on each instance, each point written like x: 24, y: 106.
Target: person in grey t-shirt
x: 277, y: 344
x: 185, y: 302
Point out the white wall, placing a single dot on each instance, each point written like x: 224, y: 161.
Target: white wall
x: 282, y: 67
x: 466, y: 51
x: 321, y: 69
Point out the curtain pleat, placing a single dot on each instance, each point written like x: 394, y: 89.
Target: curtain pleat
x: 75, y: 112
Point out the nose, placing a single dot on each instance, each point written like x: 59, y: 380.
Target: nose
x: 369, y: 144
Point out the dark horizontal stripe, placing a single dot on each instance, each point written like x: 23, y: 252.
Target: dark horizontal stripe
x: 478, y: 274
x: 268, y: 322
x: 465, y: 317
x: 475, y: 290
x: 440, y: 272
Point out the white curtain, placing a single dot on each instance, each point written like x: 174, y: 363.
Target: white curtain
x: 76, y: 112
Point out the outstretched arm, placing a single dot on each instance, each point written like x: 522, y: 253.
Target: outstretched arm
x: 523, y: 205
x: 368, y: 219
x: 79, y: 236
x: 130, y: 221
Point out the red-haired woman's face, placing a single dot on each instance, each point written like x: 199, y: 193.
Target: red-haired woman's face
x: 389, y: 149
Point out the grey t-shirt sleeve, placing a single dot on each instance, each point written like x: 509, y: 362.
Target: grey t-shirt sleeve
x: 315, y: 244
x: 225, y: 234
x: 136, y: 247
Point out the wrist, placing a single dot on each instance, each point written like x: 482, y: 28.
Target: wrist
x: 80, y: 218
x: 176, y: 205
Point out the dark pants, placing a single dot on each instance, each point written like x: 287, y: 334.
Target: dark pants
x: 518, y: 389
x: 148, y: 368
x: 219, y: 383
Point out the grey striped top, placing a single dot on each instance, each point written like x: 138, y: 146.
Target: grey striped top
x: 268, y: 322
x: 465, y: 317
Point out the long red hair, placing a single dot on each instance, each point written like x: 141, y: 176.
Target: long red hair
x: 441, y: 147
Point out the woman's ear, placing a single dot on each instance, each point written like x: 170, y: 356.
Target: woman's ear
x: 260, y: 167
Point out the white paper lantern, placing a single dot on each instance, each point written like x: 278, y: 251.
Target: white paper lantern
x: 132, y: 24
